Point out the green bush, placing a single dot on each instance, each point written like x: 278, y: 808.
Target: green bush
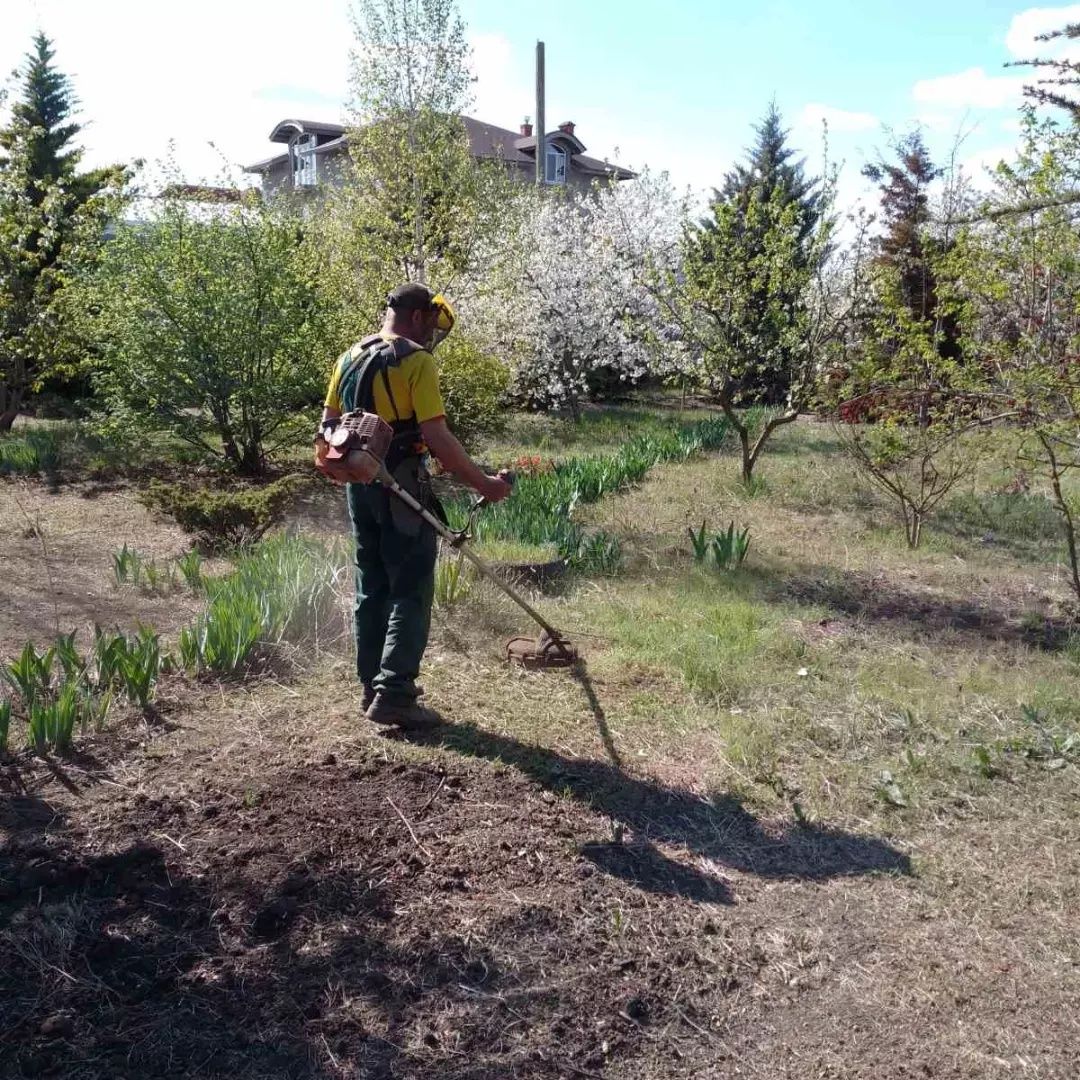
x: 30, y: 451
x: 224, y: 518
x: 473, y: 384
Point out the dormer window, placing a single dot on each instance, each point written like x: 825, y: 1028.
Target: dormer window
x: 303, y: 161
x: 555, y: 172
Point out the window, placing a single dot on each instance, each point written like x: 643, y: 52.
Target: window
x: 556, y: 165
x: 303, y: 161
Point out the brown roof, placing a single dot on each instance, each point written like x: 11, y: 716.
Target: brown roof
x: 485, y: 141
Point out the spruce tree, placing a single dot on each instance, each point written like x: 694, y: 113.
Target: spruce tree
x: 907, y: 246
x: 47, y: 211
x: 772, y: 177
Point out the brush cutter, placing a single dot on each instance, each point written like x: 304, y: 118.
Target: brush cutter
x: 354, y: 451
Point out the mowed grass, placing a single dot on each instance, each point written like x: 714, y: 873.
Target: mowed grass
x: 837, y: 674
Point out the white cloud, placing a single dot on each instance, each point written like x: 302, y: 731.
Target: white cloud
x: 814, y: 114
x: 205, y: 71
x: 969, y: 89
x: 225, y: 72
x: 1027, y: 25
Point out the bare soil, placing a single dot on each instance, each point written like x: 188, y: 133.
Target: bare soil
x: 56, y: 565
x: 459, y: 904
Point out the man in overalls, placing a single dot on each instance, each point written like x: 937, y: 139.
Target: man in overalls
x: 393, y: 374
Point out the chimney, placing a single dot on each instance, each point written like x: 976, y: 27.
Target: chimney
x: 567, y: 128
x: 526, y: 128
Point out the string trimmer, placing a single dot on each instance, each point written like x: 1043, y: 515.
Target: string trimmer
x: 354, y: 451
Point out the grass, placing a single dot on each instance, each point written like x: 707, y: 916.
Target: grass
x: 514, y: 552
x: 835, y: 671
x: 542, y: 510
x: 282, y: 590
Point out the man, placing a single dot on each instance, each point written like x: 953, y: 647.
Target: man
x: 393, y: 374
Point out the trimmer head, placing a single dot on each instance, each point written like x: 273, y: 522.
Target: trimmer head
x: 542, y: 652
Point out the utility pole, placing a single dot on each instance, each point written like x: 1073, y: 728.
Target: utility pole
x: 541, y: 137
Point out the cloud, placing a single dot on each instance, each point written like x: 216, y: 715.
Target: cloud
x: 1027, y: 25
x: 814, y: 114
x: 198, y: 73
x: 969, y: 89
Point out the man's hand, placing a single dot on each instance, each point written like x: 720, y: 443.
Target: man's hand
x: 495, y: 489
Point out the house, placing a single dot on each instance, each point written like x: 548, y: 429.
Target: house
x: 315, y: 151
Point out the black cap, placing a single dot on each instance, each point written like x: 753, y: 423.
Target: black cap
x: 411, y: 297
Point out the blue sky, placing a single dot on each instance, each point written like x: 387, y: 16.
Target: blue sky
x: 676, y: 86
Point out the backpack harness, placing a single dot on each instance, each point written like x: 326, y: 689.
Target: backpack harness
x: 373, y: 359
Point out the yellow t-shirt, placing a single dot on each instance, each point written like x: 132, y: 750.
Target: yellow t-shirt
x: 414, y: 383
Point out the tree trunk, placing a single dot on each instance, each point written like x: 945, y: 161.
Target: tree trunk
x: 1066, y: 514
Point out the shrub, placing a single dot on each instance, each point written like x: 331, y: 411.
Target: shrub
x: 473, y: 384
x: 224, y: 518
x: 213, y: 326
x: 37, y: 450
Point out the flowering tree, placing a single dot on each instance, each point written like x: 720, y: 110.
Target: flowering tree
x: 574, y: 305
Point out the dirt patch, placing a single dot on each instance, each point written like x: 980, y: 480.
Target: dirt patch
x: 521, y: 914
x: 56, y: 563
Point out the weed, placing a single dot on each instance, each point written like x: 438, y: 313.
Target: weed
x: 281, y: 589
x: 729, y: 548
x: 31, y: 673
x: 5, y: 723
x: 190, y: 567
x: 452, y: 581
x: 127, y: 566
x: 700, y: 542
x: 140, y: 665
x: 53, y: 723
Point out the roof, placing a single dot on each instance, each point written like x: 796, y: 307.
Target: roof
x: 285, y: 128
x: 485, y: 141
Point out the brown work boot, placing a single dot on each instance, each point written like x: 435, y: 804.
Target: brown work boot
x: 407, y: 715
x: 367, y: 697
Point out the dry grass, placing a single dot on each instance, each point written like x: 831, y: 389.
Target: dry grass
x: 740, y: 729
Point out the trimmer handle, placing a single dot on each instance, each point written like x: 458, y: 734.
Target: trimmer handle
x: 507, y: 476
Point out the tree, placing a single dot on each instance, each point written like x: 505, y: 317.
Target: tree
x: 1017, y: 274
x: 213, y: 327
x: 1063, y: 73
x: 758, y: 306
x: 415, y: 204
x: 51, y: 215
x: 908, y: 246
x: 575, y: 309
x: 771, y: 176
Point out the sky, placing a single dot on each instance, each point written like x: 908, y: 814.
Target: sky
x: 676, y: 86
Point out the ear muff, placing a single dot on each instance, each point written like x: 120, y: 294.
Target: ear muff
x: 445, y: 322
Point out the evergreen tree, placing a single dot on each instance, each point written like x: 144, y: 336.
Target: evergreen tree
x: 770, y: 177
x: 770, y: 169
x: 907, y: 247
x: 46, y: 205
x: 1061, y: 74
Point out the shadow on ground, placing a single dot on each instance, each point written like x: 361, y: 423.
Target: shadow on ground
x: 921, y: 614
x: 374, y: 918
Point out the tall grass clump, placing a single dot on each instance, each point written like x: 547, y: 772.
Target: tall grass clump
x: 30, y: 451
x: 281, y: 590
x: 542, y: 509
